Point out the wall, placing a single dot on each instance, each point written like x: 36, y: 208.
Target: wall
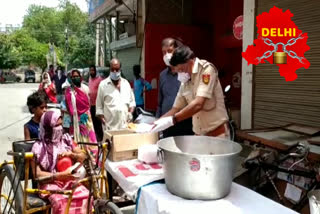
x: 128, y: 58
x: 169, y: 12
x: 226, y: 49
x: 197, y: 38
x: 207, y: 27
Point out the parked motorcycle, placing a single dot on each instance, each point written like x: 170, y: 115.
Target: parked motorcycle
x: 231, y: 122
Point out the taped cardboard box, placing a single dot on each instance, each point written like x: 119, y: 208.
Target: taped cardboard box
x: 125, y: 143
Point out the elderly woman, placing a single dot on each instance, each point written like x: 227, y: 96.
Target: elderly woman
x: 48, y: 87
x: 78, y: 106
x: 48, y: 150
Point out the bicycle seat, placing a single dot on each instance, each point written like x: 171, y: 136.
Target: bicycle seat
x: 34, y: 201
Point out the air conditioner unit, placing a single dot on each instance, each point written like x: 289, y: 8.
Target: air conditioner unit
x: 123, y: 36
x: 130, y: 28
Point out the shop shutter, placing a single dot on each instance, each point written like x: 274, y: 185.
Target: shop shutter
x: 128, y: 58
x: 277, y: 102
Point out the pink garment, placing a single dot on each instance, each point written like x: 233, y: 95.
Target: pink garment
x: 59, y: 202
x: 52, y: 141
x: 93, y: 89
x: 82, y: 101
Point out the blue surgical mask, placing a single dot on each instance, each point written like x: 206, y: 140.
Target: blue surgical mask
x: 115, y: 75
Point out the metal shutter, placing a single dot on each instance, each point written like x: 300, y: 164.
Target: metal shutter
x: 277, y: 102
x: 128, y: 58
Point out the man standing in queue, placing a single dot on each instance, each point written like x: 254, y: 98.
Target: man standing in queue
x: 200, y: 96
x: 94, y: 82
x: 115, y: 100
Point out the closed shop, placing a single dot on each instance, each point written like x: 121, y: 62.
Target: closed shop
x: 277, y: 102
x: 128, y: 58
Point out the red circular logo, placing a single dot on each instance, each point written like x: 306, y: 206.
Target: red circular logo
x: 238, y: 27
x: 194, y: 164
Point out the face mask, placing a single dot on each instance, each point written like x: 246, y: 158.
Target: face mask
x: 115, y: 75
x: 183, y: 77
x: 166, y: 58
x: 69, y: 80
x: 57, y: 133
x: 76, y: 81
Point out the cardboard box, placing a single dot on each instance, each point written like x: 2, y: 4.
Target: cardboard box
x: 125, y: 143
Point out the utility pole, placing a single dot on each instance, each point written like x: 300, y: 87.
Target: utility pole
x: 110, y: 36
x: 67, y: 47
x: 105, y: 41
x: 117, y: 25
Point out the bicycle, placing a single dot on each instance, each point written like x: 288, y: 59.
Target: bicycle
x: 19, y: 201
x: 267, y: 163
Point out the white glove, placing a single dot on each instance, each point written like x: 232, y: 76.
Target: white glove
x: 163, y: 124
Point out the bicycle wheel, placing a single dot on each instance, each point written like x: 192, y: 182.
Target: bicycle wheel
x: 102, y: 206
x: 10, y: 192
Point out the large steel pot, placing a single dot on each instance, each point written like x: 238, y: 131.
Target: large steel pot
x: 198, y: 167
x: 314, y: 201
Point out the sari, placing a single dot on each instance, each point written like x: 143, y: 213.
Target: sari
x: 81, y: 128
x: 46, y: 150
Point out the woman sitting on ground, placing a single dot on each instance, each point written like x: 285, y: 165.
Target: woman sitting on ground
x: 52, y: 146
x: 37, y: 104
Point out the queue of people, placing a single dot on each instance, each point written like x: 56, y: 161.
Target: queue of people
x: 190, y: 98
x: 190, y: 101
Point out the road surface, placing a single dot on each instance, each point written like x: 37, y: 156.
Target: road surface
x: 13, y: 113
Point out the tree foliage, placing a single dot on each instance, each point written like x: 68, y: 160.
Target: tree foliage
x: 43, y: 26
x: 9, y: 55
x: 31, y: 50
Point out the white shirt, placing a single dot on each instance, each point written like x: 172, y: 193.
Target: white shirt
x: 59, y: 74
x: 114, y: 104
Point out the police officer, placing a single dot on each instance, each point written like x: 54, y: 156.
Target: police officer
x: 200, y: 96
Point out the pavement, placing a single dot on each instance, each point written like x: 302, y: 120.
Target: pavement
x: 13, y: 114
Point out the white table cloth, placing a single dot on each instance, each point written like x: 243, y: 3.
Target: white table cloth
x: 132, y: 174
x: 155, y: 199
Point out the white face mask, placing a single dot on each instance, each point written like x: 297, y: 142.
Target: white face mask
x: 183, y: 77
x: 115, y: 75
x: 166, y: 58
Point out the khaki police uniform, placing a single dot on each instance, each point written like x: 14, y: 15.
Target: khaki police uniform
x: 205, y: 83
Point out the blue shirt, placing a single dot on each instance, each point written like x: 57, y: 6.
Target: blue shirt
x: 139, y: 85
x: 168, y: 88
x: 33, y: 129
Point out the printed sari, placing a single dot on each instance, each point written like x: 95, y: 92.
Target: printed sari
x: 82, y: 126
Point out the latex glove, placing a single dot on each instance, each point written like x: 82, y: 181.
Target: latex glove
x: 162, y: 124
